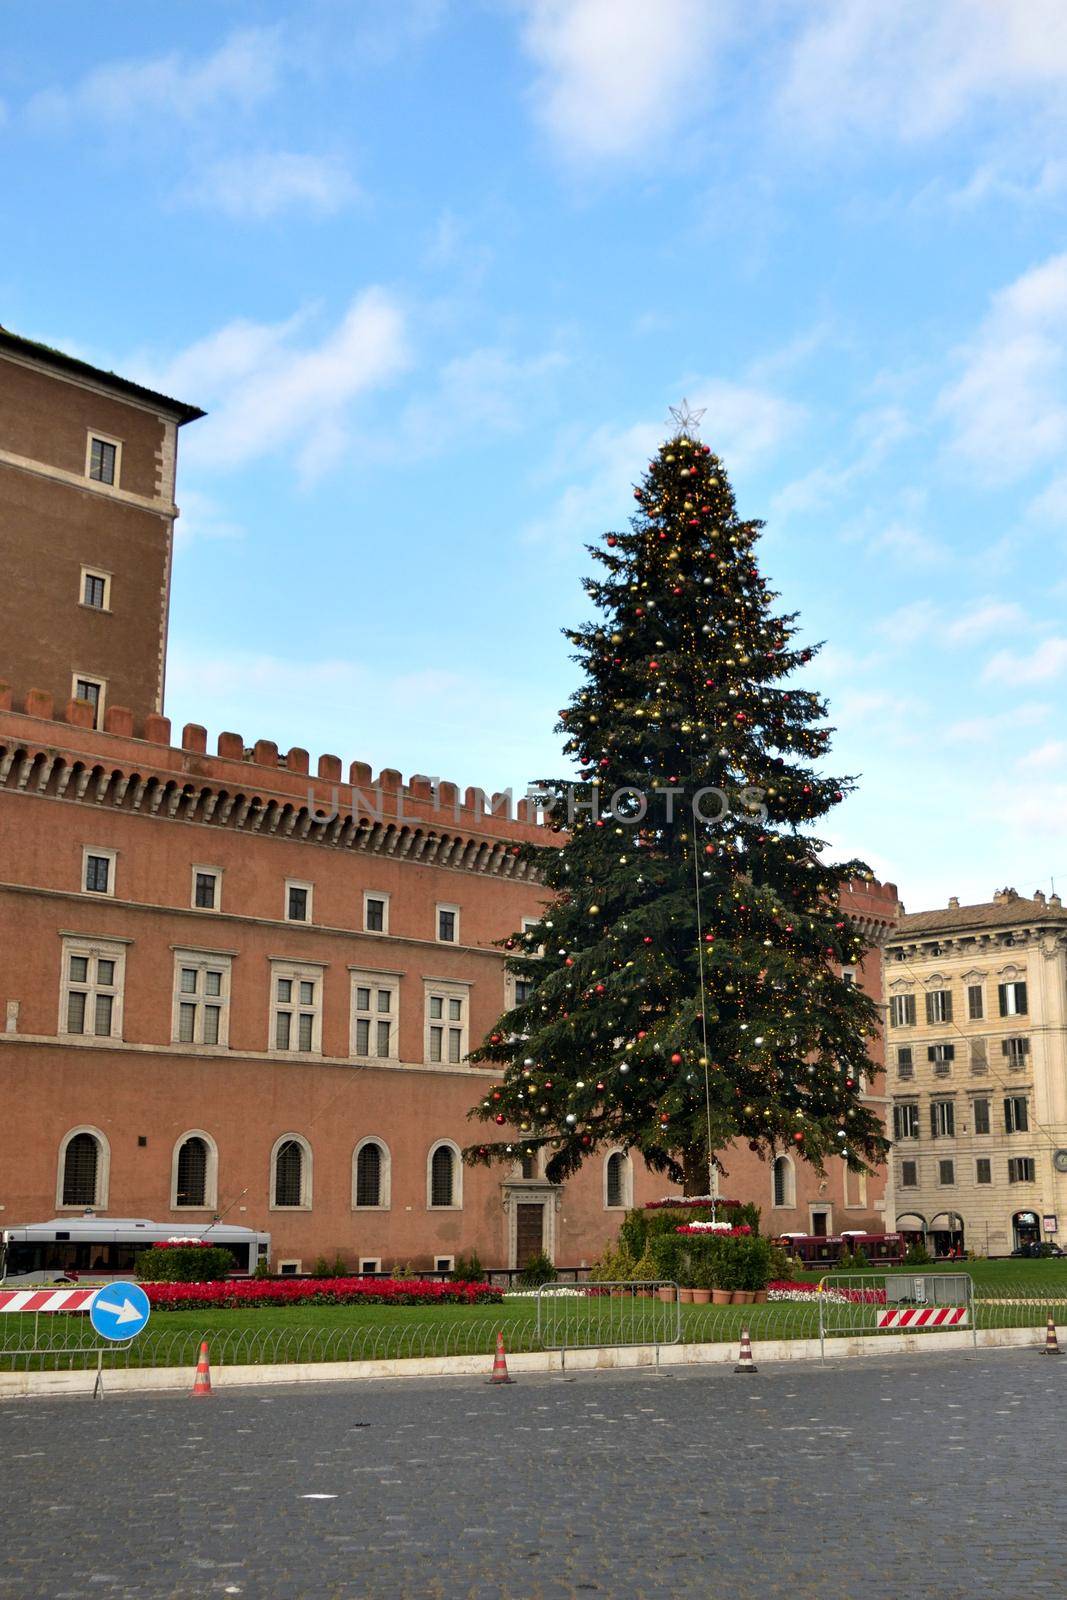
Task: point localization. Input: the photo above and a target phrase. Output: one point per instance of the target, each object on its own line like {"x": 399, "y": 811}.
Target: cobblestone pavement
{"x": 934, "y": 1475}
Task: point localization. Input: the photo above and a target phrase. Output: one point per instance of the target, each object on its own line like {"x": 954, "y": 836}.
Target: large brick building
{"x": 243, "y": 984}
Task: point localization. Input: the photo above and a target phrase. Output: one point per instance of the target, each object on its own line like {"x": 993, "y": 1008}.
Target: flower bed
{"x": 247, "y": 1293}
{"x": 725, "y": 1230}
{"x": 801, "y": 1292}
{"x": 691, "y": 1200}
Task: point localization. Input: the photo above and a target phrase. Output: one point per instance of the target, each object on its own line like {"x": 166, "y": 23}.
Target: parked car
{"x": 1034, "y": 1249}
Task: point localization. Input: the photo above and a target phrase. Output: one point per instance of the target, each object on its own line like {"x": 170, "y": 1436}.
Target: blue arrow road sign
{"x": 120, "y": 1311}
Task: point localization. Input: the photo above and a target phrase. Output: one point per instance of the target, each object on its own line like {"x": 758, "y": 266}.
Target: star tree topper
{"x": 687, "y": 419}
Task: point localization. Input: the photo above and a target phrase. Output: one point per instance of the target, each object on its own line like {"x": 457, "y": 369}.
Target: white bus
{"x": 100, "y": 1248}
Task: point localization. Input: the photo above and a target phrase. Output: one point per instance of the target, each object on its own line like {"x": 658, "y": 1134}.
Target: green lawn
{"x": 1016, "y": 1293}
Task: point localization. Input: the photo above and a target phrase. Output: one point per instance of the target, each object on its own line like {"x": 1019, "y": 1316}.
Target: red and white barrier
{"x": 927, "y": 1317}
{"x": 47, "y": 1299}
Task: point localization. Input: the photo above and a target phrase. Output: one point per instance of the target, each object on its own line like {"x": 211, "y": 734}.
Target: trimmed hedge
{"x": 185, "y": 1263}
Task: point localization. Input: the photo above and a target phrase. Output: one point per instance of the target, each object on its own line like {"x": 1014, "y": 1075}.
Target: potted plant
{"x": 703, "y": 1283}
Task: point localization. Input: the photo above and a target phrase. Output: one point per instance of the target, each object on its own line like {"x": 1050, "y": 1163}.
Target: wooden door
{"x": 529, "y": 1232}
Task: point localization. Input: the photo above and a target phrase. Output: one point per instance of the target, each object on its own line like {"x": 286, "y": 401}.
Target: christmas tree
{"x": 685, "y": 987}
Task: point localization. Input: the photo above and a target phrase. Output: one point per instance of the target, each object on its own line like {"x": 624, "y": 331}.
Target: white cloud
{"x": 265, "y": 182}
{"x": 910, "y": 546}
{"x": 1001, "y": 725}
{"x": 487, "y": 390}
{"x": 243, "y": 71}
{"x": 1008, "y": 408}
{"x": 203, "y": 518}
{"x": 614, "y": 76}
{"x": 1053, "y": 753}
{"x": 262, "y": 385}
{"x": 913, "y": 70}
{"x": 877, "y": 432}
{"x": 989, "y": 616}
{"x": 1045, "y": 662}
{"x": 910, "y": 623}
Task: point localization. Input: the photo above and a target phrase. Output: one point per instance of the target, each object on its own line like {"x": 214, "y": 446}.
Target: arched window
{"x": 617, "y": 1175}
{"x": 291, "y": 1173}
{"x": 84, "y": 1167}
{"x": 194, "y": 1171}
{"x": 783, "y": 1186}
{"x": 370, "y": 1175}
{"x": 444, "y": 1180}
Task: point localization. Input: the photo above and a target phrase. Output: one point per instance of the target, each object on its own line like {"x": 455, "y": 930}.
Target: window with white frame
{"x": 618, "y": 1181}
{"x": 905, "y": 1063}
{"x": 298, "y": 899}
{"x": 1012, "y": 999}
{"x": 91, "y": 991}
{"x": 289, "y": 1268}
{"x": 783, "y": 1182}
{"x": 531, "y": 930}
{"x": 296, "y": 1007}
{"x": 446, "y": 1022}
{"x": 98, "y": 870}
{"x": 95, "y": 589}
{"x": 941, "y": 1056}
{"x": 84, "y": 1169}
{"x": 1016, "y": 1114}
{"x": 939, "y": 1005}
{"x": 369, "y": 1266}
{"x": 103, "y": 459}
{"x": 375, "y": 911}
{"x": 201, "y": 998}
{"x": 1016, "y": 1051}
{"x": 371, "y": 1168}
{"x": 290, "y": 1174}
{"x": 444, "y": 1177}
{"x": 444, "y": 1263}
{"x": 207, "y": 889}
{"x": 375, "y": 1015}
{"x": 902, "y": 1011}
{"x": 91, "y": 690}
{"x": 906, "y": 1121}
{"x": 195, "y": 1172}
{"x": 448, "y": 924}
{"x": 942, "y": 1119}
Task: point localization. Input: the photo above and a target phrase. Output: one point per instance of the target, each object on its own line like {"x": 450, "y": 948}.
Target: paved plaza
{"x": 904, "y": 1477}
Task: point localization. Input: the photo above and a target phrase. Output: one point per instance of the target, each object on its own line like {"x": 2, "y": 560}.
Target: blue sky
{"x": 437, "y": 270}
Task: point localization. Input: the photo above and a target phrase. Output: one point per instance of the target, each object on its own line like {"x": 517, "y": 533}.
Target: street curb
{"x": 16, "y": 1385}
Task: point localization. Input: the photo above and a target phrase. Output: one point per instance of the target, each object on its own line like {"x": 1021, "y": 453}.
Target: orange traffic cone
{"x": 1051, "y": 1344}
{"x": 745, "y": 1362}
{"x": 500, "y": 1364}
{"x": 202, "y": 1386}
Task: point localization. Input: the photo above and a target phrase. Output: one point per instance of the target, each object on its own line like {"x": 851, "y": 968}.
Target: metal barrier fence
{"x": 379, "y": 1333}
{"x": 592, "y": 1316}
{"x": 853, "y": 1303}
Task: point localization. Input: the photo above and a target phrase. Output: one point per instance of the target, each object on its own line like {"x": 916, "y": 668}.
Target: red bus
{"x": 825, "y": 1250}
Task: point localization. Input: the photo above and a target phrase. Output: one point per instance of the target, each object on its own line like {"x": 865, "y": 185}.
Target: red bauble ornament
{"x": 799, "y": 1137}
{"x": 568, "y": 962}
{"x": 612, "y": 540}
{"x": 494, "y": 1038}
{"x": 500, "y": 1118}
{"x": 648, "y": 938}
{"x": 709, "y": 938}
{"x": 676, "y": 1059}
{"x": 600, "y": 1088}
{"x": 653, "y": 666}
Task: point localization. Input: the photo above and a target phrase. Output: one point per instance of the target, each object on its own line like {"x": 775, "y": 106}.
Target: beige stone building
{"x": 976, "y": 1063}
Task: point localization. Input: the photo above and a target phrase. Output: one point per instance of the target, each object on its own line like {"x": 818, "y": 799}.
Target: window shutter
{"x": 931, "y": 1052}
{"x": 929, "y": 1008}
{"x": 946, "y": 1001}
{"x": 1020, "y": 998}
{"x": 950, "y": 1052}
{"x": 933, "y": 1122}
{"x": 1002, "y": 998}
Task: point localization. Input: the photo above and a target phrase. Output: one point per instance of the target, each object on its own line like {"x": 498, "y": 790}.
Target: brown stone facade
{"x": 57, "y": 522}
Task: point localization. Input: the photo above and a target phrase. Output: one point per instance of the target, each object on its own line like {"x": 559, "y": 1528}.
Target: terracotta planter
{"x": 759, "y": 1297}
{"x": 741, "y": 1297}
{"x": 686, "y": 1296}
{"x": 701, "y": 1297}
{"x": 643, "y": 1294}
{"x": 666, "y": 1295}
{"x": 720, "y": 1297}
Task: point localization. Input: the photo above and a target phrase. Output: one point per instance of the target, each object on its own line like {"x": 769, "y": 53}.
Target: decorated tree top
{"x": 690, "y": 982}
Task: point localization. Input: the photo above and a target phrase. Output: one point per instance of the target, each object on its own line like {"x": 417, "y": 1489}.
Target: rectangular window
{"x": 91, "y": 990}
{"x": 946, "y": 1172}
{"x": 522, "y": 989}
{"x": 297, "y": 901}
{"x": 1016, "y": 1051}
{"x": 99, "y": 871}
{"x": 979, "y": 1058}
{"x": 942, "y": 1119}
{"x": 939, "y": 1005}
{"x": 201, "y": 998}
{"x": 296, "y": 1008}
{"x": 446, "y": 1024}
{"x": 909, "y": 1174}
{"x": 1012, "y": 998}
{"x": 368, "y": 1265}
{"x": 96, "y": 589}
{"x": 1016, "y": 1114}
{"x": 91, "y": 690}
{"x": 1021, "y": 1169}
{"x": 905, "y": 1064}
{"x": 983, "y": 1170}
{"x": 905, "y": 1122}
{"x": 207, "y": 889}
{"x": 981, "y": 1116}
{"x": 376, "y": 913}
{"x": 942, "y": 1057}
{"x": 375, "y": 1020}
{"x": 975, "y": 1002}
{"x": 448, "y": 924}
{"x": 103, "y": 460}
{"x": 902, "y": 1011}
